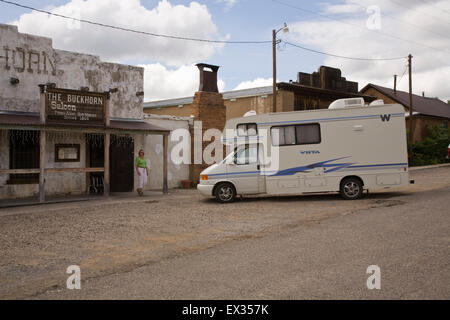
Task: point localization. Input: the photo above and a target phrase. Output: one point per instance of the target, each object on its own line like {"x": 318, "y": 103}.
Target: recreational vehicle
{"x": 348, "y": 148}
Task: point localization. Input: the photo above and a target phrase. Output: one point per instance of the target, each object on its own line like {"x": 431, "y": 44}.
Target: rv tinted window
{"x": 289, "y": 135}
{"x": 242, "y": 130}
{"x": 247, "y": 129}
{"x": 308, "y": 133}
{"x": 251, "y": 129}
{"x": 282, "y": 136}
{"x": 277, "y": 134}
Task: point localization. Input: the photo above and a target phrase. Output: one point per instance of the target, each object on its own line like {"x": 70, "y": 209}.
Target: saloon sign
{"x": 81, "y": 107}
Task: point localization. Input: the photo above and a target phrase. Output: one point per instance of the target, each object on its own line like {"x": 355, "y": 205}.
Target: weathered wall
{"x": 56, "y": 183}
{"x": 153, "y": 147}
{"x": 236, "y": 107}
{"x": 33, "y": 61}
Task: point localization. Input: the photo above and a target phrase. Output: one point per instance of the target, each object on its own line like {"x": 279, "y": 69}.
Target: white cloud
{"x": 427, "y": 37}
{"x": 228, "y": 3}
{"x": 193, "y": 20}
{"x": 162, "y": 83}
{"x": 258, "y": 82}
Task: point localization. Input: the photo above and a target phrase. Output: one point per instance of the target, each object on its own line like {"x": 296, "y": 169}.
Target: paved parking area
{"x": 118, "y": 236}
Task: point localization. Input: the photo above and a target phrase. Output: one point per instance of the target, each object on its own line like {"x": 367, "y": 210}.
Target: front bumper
{"x": 205, "y": 189}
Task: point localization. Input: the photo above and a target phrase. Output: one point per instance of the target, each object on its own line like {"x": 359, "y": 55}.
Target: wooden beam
{"x": 42, "y": 108}
{"x": 74, "y": 170}
{"x": 165, "y": 163}
{"x": 19, "y": 171}
{"x": 42, "y": 144}
{"x": 106, "y": 180}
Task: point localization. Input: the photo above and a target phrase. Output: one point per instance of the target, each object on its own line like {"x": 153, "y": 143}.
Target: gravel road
{"x": 107, "y": 238}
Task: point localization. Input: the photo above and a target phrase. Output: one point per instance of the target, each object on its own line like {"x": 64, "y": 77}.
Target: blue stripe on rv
{"x": 292, "y": 171}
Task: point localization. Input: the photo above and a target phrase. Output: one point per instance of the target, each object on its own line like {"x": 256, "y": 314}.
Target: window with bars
{"x": 23, "y": 154}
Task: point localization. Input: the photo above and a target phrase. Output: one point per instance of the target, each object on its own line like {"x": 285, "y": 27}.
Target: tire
{"x": 351, "y": 188}
{"x": 225, "y": 192}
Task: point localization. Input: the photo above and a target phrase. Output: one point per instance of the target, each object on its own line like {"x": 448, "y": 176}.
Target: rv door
{"x": 244, "y": 170}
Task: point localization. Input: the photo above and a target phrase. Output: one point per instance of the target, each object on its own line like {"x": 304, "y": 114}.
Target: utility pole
{"x": 274, "y": 54}
{"x": 411, "y": 126}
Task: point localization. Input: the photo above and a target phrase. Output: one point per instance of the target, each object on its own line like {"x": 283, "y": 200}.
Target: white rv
{"x": 347, "y": 148}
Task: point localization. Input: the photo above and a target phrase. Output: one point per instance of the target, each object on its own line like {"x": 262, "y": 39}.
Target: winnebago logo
{"x": 385, "y": 117}
{"x": 310, "y": 152}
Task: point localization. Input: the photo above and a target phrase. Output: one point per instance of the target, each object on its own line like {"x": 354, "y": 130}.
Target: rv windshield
{"x": 230, "y": 155}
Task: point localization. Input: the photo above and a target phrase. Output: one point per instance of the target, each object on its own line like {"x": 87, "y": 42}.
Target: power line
{"x": 404, "y": 72}
{"x": 133, "y": 30}
{"x": 356, "y": 25}
{"x": 343, "y": 57}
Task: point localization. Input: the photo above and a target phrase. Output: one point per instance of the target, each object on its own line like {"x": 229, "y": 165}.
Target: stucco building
{"x": 59, "y": 111}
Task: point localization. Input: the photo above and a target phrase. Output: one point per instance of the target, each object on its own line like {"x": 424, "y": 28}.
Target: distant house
{"x": 427, "y": 111}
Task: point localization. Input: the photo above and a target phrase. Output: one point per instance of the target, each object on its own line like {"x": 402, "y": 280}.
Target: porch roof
{"x": 31, "y": 121}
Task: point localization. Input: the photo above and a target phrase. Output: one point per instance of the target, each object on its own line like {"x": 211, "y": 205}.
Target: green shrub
{"x": 433, "y": 149}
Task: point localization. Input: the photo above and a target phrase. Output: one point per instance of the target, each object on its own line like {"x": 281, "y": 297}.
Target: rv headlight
{"x": 204, "y": 177}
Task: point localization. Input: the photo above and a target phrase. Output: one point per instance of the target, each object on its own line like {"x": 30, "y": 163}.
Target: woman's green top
{"x": 141, "y": 162}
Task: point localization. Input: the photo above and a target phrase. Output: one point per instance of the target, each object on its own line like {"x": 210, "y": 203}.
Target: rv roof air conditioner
{"x": 378, "y": 102}
{"x": 250, "y": 113}
{"x": 347, "y": 103}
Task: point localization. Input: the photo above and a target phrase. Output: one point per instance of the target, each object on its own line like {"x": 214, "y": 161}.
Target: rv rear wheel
{"x": 225, "y": 192}
{"x": 351, "y": 188}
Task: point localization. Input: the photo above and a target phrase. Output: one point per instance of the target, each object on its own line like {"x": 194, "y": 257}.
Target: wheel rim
{"x": 225, "y": 193}
{"x": 351, "y": 189}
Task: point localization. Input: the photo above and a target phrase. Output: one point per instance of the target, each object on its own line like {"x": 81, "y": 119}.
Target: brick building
{"x": 311, "y": 91}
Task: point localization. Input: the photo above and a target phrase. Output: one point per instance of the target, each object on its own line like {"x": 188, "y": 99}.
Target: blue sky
{"x": 339, "y": 27}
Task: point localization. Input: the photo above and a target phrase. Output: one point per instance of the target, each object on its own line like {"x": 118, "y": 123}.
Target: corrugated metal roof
{"x": 252, "y": 92}
{"x": 423, "y": 105}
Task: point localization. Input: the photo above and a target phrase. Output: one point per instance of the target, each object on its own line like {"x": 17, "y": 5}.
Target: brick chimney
{"x": 208, "y": 107}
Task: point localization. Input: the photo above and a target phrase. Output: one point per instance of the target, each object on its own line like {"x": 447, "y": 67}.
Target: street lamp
{"x": 274, "y": 49}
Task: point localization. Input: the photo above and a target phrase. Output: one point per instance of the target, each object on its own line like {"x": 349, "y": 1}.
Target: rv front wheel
{"x": 225, "y": 192}
{"x": 351, "y": 188}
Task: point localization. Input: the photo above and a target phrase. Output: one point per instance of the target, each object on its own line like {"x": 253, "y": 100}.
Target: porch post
{"x": 106, "y": 180}
{"x": 42, "y": 143}
{"x": 165, "y": 151}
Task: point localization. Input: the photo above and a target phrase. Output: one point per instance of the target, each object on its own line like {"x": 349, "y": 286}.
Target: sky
{"x": 357, "y": 29}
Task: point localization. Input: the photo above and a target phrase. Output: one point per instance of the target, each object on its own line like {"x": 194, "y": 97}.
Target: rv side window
{"x": 247, "y": 129}
{"x": 283, "y": 136}
{"x": 308, "y": 133}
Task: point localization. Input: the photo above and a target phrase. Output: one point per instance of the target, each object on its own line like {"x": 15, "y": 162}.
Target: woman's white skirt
{"x": 142, "y": 178}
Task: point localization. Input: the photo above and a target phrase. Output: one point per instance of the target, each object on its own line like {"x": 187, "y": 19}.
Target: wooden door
{"x": 121, "y": 164}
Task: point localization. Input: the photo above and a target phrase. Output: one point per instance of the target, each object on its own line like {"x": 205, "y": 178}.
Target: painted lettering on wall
{"x": 20, "y": 59}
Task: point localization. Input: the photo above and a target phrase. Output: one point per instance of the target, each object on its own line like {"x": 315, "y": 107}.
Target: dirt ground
{"x": 103, "y": 237}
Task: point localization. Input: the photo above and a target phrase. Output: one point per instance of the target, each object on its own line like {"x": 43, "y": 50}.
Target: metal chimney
{"x": 208, "y": 77}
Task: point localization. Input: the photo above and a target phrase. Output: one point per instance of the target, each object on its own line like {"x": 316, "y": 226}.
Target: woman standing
{"x": 142, "y": 171}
